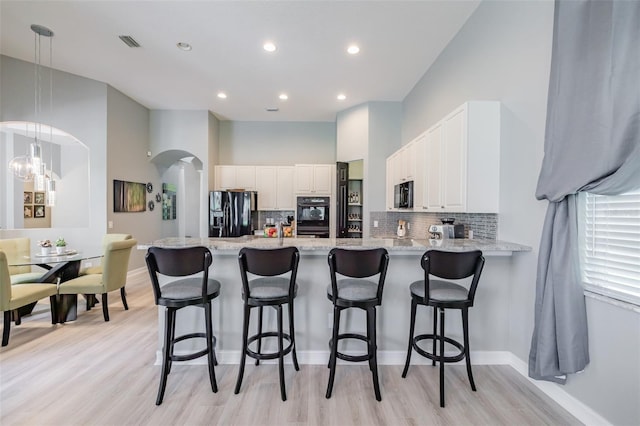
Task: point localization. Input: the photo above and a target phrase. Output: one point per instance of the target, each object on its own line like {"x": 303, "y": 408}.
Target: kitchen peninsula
{"x": 488, "y": 322}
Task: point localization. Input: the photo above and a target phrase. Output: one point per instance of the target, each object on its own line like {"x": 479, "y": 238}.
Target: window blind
{"x": 611, "y": 246}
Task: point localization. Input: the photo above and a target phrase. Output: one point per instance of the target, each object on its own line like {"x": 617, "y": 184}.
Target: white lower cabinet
{"x": 462, "y": 160}
{"x": 275, "y": 187}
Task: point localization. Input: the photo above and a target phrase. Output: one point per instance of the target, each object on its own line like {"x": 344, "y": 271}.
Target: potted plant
{"x": 45, "y": 246}
{"x": 61, "y": 245}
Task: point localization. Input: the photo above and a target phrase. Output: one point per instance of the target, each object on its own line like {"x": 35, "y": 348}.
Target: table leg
{"x": 67, "y": 307}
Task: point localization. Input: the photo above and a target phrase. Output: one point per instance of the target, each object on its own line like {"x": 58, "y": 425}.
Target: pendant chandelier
{"x": 31, "y": 167}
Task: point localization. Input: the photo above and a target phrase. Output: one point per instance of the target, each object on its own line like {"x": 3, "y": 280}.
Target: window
{"x": 610, "y": 250}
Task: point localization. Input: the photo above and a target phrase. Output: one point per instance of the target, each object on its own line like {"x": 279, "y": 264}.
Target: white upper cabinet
{"x": 285, "y": 199}
{"x": 462, "y": 160}
{"x": 432, "y": 191}
{"x": 390, "y": 182}
{"x": 235, "y": 177}
{"x": 275, "y": 187}
{"x": 314, "y": 178}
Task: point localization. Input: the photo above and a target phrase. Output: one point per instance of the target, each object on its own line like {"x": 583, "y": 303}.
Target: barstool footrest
{"x": 351, "y": 358}
{"x": 434, "y": 357}
{"x": 194, "y": 355}
{"x": 269, "y": 355}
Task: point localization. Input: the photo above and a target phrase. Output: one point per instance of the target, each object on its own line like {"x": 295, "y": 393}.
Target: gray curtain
{"x": 592, "y": 143}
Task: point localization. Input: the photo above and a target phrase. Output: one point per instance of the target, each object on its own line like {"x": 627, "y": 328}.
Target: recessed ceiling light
{"x": 222, "y": 95}
{"x": 353, "y": 49}
{"x": 269, "y": 46}
{"x": 342, "y": 97}
{"x": 283, "y": 97}
{"x": 184, "y": 46}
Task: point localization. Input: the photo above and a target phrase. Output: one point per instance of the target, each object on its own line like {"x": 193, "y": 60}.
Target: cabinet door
{"x": 266, "y": 185}
{"x": 285, "y": 199}
{"x": 432, "y": 196}
{"x": 454, "y": 155}
{"x": 304, "y": 178}
{"x": 408, "y": 161}
{"x": 246, "y": 177}
{"x": 398, "y": 168}
{"x": 225, "y": 177}
{"x": 390, "y": 182}
{"x": 322, "y": 178}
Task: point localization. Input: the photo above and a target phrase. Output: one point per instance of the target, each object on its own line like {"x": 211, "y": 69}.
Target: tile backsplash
{"x": 483, "y": 225}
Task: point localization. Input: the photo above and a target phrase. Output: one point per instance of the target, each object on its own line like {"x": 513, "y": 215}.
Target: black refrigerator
{"x": 342, "y": 187}
{"x": 232, "y": 213}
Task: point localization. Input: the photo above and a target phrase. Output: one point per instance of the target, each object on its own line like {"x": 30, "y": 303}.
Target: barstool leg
{"x": 465, "y": 330}
{"x": 209, "y": 336}
{"x": 334, "y": 350}
{"x": 245, "y": 338}
{"x": 441, "y": 357}
{"x": 172, "y": 337}
{"x": 435, "y": 333}
{"x": 283, "y": 392}
{"x": 293, "y": 337}
{"x": 165, "y": 357}
{"x": 373, "y": 349}
{"x": 259, "y": 332}
{"x": 412, "y": 326}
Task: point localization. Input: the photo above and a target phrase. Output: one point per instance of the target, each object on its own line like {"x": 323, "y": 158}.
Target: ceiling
{"x": 398, "y": 42}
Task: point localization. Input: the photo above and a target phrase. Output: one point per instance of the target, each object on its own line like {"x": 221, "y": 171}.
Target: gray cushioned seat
{"x": 188, "y": 288}
{"x": 269, "y": 287}
{"x": 355, "y": 289}
{"x": 440, "y": 290}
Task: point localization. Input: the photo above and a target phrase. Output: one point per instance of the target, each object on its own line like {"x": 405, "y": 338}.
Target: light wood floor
{"x": 89, "y": 372}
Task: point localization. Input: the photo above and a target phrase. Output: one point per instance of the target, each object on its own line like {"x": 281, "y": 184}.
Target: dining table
{"x": 59, "y": 267}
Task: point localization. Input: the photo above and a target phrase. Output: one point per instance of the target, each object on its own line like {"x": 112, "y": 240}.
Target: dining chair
{"x": 106, "y": 239}
{"x": 17, "y": 249}
{"x": 442, "y": 294}
{"x": 113, "y": 277}
{"x": 14, "y": 296}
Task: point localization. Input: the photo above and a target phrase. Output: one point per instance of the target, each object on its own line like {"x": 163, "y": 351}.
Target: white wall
{"x": 503, "y": 53}
{"x": 277, "y": 143}
{"x": 80, "y": 109}
{"x": 352, "y": 133}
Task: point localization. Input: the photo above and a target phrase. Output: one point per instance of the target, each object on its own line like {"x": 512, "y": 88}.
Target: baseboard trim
{"x": 554, "y": 391}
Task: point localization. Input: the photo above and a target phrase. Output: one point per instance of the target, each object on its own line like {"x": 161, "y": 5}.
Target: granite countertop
{"x": 399, "y": 245}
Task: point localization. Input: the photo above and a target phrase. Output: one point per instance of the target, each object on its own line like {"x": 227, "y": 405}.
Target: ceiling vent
{"x": 272, "y": 109}
{"x": 129, "y": 41}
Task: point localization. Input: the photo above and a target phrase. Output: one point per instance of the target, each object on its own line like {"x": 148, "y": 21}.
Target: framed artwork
{"x": 38, "y": 198}
{"x": 38, "y": 211}
{"x": 28, "y": 197}
{"x": 168, "y": 201}
{"x": 129, "y": 196}
{"x": 28, "y": 212}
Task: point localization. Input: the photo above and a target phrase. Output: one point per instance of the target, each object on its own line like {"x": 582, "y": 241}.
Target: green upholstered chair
{"x": 16, "y": 296}
{"x": 113, "y": 276}
{"x": 108, "y": 238}
{"x": 15, "y": 249}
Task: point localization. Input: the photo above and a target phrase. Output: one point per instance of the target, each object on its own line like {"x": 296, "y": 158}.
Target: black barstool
{"x": 189, "y": 291}
{"x": 356, "y": 292}
{"x": 443, "y": 295}
{"x": 269, "y": 289}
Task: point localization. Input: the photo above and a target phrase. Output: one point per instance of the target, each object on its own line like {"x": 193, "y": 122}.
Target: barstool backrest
{"x": 358, "y": 264}
{"x": 178, "y": 262}
{"x": 453, "y": 266}
{"x": 268, "y": 263}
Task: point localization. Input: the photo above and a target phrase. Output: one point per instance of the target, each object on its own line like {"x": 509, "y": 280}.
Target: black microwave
{"x": 403, "y": 195}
